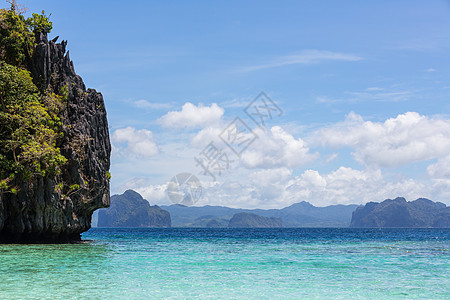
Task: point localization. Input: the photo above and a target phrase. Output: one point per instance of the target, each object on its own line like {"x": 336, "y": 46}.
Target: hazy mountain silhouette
{"x": 401, "y": 213}
{"x": 301, "y": 214}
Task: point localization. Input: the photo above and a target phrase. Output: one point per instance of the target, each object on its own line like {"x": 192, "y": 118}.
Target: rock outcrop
{"x": 250, "y": 220}
{"x": 59, "y": 209}
{"x": 131, "y": 210}
{"x": 401, "y": 213}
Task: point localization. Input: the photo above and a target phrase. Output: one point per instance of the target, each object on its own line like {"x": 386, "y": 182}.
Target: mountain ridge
{"x": 301, "y": 214}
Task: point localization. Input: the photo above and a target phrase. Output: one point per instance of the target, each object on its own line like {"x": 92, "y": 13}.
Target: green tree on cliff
{"x": 29, "y": 122}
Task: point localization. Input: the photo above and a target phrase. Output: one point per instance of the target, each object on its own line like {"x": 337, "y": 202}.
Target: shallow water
{"x": 182, "y": 263}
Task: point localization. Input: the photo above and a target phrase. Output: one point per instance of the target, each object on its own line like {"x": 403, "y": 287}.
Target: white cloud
{"x": 269, "y": 186}
{"x": 281, "y": 187}
{"x": 276, "y": 148}
{"x": 278, "y": 188}
{"x": 374, "y": 88}
{"x": 331, "y": 157}
{"x": 207, "y": 135}
{"x": 380, "y": 96}
{"x": 151, "y": 105}
{"x": 155, "y": 193}
{"x": 326, "y": 100}
{"x": 304, "y": 57}
{"x": 349, "y": 186}
{"x": 136, "y": 142}
{"x": 192, "y": 116}
{"x": 240, "y": 102}
{"x": 440, "y": 169}
{"x": 370, "y": 94}
{"x": 408, "y": 138}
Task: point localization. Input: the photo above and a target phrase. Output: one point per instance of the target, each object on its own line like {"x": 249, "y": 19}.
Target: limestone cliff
{"x": 401, "y": 213}
{"x": 59, "y": 208}
{"x": 131, "y": 210}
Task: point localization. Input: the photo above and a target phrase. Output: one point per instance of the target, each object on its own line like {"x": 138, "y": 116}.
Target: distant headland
{"x": 401, "y": 213}
{"x": 389, "y": 213}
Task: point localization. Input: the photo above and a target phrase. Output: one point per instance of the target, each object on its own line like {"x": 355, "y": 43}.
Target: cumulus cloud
{"x": 207, "y": 135}
{"x": 280, "y": 187}
{"x": 154, "y": 193}
{"x": 346, "y": 186}
{"x": 407, "y": 138}
{"x": 276, "y": 148}
{"x": 440, "y": 169}
{"x": 135, "y": 142}
{"x": 192, "y": 116}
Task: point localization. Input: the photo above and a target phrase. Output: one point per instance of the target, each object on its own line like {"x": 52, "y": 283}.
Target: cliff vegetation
{"x": 54, "y": 140}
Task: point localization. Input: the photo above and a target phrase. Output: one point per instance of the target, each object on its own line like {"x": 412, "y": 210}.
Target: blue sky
{"x": 364, "y": 88}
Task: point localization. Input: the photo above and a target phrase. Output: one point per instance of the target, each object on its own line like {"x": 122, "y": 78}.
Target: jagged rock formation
{"x": 59, "y": 209}
{"x": 401, "y": 213}
{"x": 131, "y": 210}
{"x": 250, "y": 220}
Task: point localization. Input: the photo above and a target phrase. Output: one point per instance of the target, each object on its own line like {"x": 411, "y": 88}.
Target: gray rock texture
{"x": 51, "y": 209}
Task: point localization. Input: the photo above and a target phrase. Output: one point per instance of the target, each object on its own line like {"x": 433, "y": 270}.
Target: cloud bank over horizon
{"x": 353, "y": 161}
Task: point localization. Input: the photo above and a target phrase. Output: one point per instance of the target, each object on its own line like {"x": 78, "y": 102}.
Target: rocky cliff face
{"x": 250, "y": 220}
{"x": 401, "y": 213}
{"x": 131, "y": 210}
{"x": 59, "y": 209}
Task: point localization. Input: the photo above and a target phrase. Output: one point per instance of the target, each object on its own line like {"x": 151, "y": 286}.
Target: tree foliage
{"x": 17, "y": 34}
{"x": 30, "y": 126}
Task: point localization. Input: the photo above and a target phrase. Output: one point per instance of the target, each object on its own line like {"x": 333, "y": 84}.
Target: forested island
{"x": 130, "y": 209}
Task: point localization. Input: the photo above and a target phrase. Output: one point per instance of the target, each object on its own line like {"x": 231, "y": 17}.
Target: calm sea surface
{"x": 233, "y": 263}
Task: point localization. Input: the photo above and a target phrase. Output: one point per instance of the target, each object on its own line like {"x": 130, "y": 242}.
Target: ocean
{"x": 186, "y": 263}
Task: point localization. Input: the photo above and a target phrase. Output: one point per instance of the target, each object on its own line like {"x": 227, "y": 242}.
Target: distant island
{"x": 131, "y": 210}
{"x": 302, "y": 214}
{"x": 401, "y": 213}
{"x": 250, "y": 220}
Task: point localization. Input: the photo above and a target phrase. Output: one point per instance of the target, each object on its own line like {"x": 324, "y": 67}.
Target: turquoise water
{"x": 233, "y": 263}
